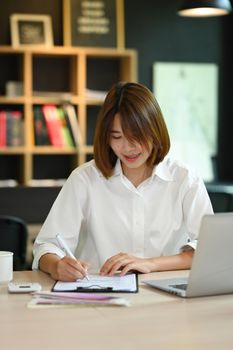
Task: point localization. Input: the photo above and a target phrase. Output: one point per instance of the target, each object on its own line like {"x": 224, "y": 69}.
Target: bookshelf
{"x": 50, "y": 76}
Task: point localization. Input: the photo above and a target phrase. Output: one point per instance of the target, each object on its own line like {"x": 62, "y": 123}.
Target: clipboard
{"x": 100, "y": 284}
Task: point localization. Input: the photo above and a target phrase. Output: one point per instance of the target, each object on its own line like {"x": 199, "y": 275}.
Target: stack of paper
{"x": 54, "y": 299}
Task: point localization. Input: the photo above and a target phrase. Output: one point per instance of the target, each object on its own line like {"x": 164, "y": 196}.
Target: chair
{"x": 221, "y": 201}
{"x": 13, "y": 237}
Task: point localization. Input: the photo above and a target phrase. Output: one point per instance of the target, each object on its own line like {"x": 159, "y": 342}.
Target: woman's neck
{"x": 138, "y": 175}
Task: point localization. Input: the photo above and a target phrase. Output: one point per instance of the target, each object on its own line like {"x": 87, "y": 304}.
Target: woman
{"x": 130, "y": 208}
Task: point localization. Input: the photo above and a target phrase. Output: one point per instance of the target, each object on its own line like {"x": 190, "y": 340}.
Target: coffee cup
{"x": 6, "y": 267}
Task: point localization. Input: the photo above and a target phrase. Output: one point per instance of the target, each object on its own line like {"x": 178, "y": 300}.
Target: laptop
{"x": 211, "y": 272}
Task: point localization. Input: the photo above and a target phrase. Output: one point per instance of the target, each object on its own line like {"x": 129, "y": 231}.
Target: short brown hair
{"x": 141, "y": 120}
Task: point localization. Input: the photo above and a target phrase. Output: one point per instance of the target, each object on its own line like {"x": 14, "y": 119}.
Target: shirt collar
{"x": 161, "y": 170}
{"x": 117, "y": 169}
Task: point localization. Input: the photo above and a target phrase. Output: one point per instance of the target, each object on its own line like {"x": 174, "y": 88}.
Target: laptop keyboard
{"x": 182, "y": 286}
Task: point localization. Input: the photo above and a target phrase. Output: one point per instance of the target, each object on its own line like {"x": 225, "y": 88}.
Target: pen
{"x": 64, "y": 246}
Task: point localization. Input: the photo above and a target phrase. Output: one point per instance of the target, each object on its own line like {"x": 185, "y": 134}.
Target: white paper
{"x": 127, "y": 283}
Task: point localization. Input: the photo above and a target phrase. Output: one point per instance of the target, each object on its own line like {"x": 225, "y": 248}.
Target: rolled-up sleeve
{"x": 41, "y": 248}
{"x": 196, "y": 204}
{"x": 190, "y": 245}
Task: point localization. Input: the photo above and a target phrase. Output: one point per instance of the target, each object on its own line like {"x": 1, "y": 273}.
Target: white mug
{"x": 6, "y": 267}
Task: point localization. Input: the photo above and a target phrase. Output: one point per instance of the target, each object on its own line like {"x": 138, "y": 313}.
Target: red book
{"x": 3, "y": 129}
{"x": 53, "y": 125}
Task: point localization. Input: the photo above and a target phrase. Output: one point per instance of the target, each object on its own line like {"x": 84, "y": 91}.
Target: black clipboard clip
{"x": 93, "y": 288}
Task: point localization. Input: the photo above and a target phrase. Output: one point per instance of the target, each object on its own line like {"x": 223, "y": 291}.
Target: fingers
{"x": 125, "y": 263}
{"x": 86, "y": 266}
{"x": 105, "y": 269}
{"x": 115, "y": 263}
{"x": 135, "y": 266}
{"x": 69, "y": 269}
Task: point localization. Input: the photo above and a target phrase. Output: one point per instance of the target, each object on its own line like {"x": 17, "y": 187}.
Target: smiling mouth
{"x": 132, "y": 157}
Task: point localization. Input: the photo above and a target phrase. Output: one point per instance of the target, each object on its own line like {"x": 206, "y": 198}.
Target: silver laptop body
{"x": 212, "y": 267}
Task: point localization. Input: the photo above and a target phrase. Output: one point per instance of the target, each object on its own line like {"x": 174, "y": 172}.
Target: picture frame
{"x": 31, "y": 30}
{"x": 96, "y": 23}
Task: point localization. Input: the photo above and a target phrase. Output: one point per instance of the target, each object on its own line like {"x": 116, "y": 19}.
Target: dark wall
{"x": 159, "y": 34}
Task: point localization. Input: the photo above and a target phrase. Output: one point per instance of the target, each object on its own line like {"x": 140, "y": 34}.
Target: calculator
{"x": 23, "y": 287}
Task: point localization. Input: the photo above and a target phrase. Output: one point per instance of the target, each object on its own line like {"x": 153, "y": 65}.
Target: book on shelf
{"x": 53, "y": 125}
{"x": 40, "y": 130}
{"x": 56, "y": 125}
{"x": 16, "y": 130}
{"x": 11, "y": 128}
{"x": 72, "y": 121}
{"x": 65, "y": 130}
{"x": 3, "y": 141}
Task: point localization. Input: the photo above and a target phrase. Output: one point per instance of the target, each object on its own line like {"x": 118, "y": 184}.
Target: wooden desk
{"x": 155, "y": 320}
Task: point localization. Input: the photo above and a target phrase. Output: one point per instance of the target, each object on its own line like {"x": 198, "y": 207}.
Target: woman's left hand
{"x": 125, "y": 263}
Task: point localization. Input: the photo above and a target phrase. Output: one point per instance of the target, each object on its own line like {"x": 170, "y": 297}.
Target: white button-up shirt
{"x": 99, "y": 217}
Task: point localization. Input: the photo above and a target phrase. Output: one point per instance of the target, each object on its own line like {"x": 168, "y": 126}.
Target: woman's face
{"x": 132, "y": 154}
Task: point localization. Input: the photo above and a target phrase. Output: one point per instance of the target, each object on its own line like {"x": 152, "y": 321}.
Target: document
{"x": 46, "y": 299}
{"x": 96, "y": 283}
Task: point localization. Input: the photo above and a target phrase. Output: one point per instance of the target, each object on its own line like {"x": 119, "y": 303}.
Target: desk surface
{"x": 155, "y": 320}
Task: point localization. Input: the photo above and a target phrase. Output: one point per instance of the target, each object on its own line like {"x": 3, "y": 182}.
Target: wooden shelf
{"x": 67, "y": 72}
{"x": 12, "y": 100}
{"x": 53, "y": 150}
{"x": 13, "y": 150}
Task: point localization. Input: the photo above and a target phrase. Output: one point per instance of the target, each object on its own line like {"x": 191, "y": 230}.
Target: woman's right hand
{"x": 63, "y": 269}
